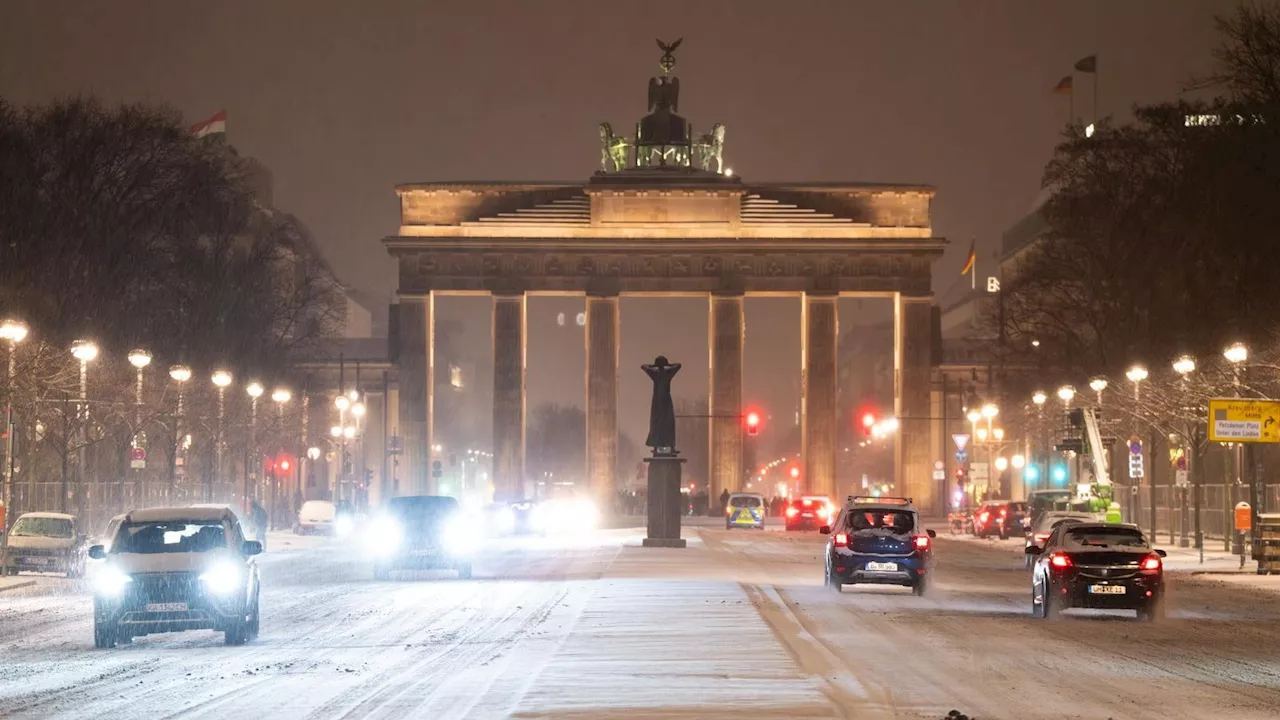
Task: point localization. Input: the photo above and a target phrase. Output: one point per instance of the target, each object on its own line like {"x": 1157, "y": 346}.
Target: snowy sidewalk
{"x": 15, "y": 582}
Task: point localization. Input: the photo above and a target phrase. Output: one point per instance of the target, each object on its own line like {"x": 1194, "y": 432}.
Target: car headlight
{"x": 458, "y": 538}
{"x": 223, "y": 578}
{"x": 110, "y": 581}
{"x": 586, "y": 514}
{"x": 342, "y": 526}
{"x": 385, "y": 536}
{"x": 538, "y": 518}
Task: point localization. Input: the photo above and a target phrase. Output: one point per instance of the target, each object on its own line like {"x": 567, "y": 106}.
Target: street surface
{"x": 737, "y": 625}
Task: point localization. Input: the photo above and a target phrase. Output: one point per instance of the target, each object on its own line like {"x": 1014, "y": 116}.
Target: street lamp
{"x": 221, "y": 380}
{"x": 358, "y": 410}
{"x": 989, "y": 411}
{"x": 342, "y": 402}
{"x": 86, "y": 352}
{"x": 336, "y": 431}
{"x": 1098, "y": 384}
{"x": 1184, "y": 366}
{"x": 281, "y": 395}
{"x": 1002, "y": 463}
{"x": 349, "y": 432}
{"x": 313, "y": 453}
{"x": 15, "y": 331}
{"x": 255, "y": 390}
{"x": 1236, "y": 353}
{"x": 1019, "y": 461}
{"x": 1066, "y": 393}
{"x": 998, "y": 434}
{"x": 1039, "y": 398}
{"x": 1136, "y": 375}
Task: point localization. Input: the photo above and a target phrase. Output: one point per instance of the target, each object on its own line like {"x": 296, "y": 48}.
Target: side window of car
{"x": 1054, "y": 537}
{"x": 235, "y": 538}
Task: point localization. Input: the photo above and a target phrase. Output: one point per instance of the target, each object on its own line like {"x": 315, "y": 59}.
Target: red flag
{"x": 214, "y": 125}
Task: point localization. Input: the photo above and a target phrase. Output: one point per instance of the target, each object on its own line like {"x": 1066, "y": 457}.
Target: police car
{"x": 744, "y": 510}
{"x": 878, "y": 540}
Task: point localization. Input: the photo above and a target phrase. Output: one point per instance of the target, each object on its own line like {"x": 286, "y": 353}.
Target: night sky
{"x": 344, "y": 100}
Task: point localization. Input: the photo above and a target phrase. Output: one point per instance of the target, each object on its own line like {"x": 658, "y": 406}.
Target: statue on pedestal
{"x": 613, "y": 149}
{"x": 662, "y": 413}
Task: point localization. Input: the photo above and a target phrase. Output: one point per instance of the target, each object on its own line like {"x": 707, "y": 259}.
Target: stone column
{"x": 417, "y": 391}
{"x": 913, "y": 336}
{"x": 820, "y": 328}
{"x": 508, "y": 396}
{"x": 602, "y": 398}
{"x": 726, "y": 397}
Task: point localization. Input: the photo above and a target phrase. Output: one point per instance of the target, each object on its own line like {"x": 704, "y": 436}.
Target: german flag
{"x": 1064, "y": 86}
{"x": 973, "y": 258}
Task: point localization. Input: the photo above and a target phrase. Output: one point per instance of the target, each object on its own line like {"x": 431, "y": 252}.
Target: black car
{"x": 878, "y": 541}
{"x": 422, "y": 532}
{"x": 522, "y": 517}
{"x": 171, "y": 569}
{"x": 1097, "y": 565}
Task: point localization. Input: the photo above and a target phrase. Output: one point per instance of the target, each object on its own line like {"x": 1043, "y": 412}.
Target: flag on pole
{"x": 1088, "y": 65}
{"x": 973, "y": 258}
{"x": 1064, "y": 86}
{"x": 214, "y": 125}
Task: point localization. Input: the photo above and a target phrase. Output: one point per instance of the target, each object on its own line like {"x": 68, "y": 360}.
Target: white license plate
{"x": 429, "y": 552}
{"x": 39, "y": 560}
{"x": 882, "y": 567}
{"x": 166, "y": 607}
{"x": 1107, "y": 589}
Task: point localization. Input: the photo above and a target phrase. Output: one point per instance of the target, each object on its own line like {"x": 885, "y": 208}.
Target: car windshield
{"x": 744, "y": 501}
{"x": 893, "y": 520}
{"x": 1106, "y": 537}
{"x": 42, "y": 527}
{"x": 423, "y": 510}
{"x": 170, "y": 536}
{"x": 1048, "y": 524}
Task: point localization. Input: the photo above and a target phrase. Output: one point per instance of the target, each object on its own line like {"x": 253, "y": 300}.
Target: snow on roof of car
{"x": 216, "y": 512}
{"x": 59, "y": 516}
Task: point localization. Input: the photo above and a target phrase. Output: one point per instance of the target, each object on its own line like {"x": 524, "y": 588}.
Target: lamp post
{"x": 1237, "y": 354}
{"x": 253, "y": 461}
{"x": 1039, "y": 398}
{"x": 1184, "y": 366}
{"x": 179, "y": 374}
{"x": 989, "y": 411}
{"x": 14, "y": 331}
{"x": 139, "y": 359}
{"x": 280, "y": 396}
{"x": 221, "y": 380}
{"x": 85, "y": 352}
{"x": 1098, "y": 384}
{"x": 343, "y": 403}
{"x": 1136, "y": 375}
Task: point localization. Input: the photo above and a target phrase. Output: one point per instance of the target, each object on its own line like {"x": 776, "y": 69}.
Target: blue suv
{"x": 878, "y": 540}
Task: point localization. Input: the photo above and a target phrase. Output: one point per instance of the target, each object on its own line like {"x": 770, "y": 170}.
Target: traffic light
{"x": 868, "y": 421}
{"x": 753, "y": 423}
{"x": 1032, "y": 473}
{"x": 1059, "y": 473}
{"x": 284, "y": 464}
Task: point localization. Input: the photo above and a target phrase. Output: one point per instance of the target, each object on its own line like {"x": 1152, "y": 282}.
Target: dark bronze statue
{"x": 662, "y": 413}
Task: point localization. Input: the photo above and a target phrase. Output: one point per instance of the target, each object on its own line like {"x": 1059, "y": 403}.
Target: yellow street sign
{"x": 1244, "y": 421}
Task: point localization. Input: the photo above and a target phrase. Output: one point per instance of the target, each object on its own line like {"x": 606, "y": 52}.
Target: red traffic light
{"x": 753, "y": 423}
{"x": 284, "y": 464}
{"x": 868, "y": 419}
{"x": 795, "y": 471}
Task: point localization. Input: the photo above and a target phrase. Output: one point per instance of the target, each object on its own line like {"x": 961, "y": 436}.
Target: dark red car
{"x": 1002, "y": 518}
{"x": 809, "y": 512}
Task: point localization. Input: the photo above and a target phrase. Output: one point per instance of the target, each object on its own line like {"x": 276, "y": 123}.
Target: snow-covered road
{"x": 738, "y": 624}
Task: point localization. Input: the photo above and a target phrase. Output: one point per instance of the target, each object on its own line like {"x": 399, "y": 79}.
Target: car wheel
{"x": 105, "y": 635}
{"x": 125, "y": 637}
{"x": 464, "y": 571}
{"x": 1037, "y": 608}
{"x": 1050, "y": 608}
{"x": 727, "y": 525}
{"x": 920, "y": 587}
{"x": 1152, "y": 612}
{"x": 381, "y": 572}
{"x": 255, "y": 623}
{"x": 1004, "y": 534}
{"x": 237, "y": 633}
{"x": 832, "y": 582}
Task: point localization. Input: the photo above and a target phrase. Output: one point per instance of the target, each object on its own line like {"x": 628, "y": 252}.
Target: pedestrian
{"x": 724, "y": 500}
{"x": 258, "y": 518}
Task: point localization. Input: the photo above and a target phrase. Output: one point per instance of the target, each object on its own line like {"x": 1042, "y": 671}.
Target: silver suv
{"x": 171, "y": 569}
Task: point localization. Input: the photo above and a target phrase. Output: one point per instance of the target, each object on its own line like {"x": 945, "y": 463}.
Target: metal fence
{"x": 1217, "y": 503}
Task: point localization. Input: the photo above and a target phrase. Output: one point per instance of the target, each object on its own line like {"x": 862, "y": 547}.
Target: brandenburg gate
{"x": 665, "y": 217}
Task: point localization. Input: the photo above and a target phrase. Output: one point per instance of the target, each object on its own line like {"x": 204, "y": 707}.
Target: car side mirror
{"x": 1033, "y": 550}
{"x": 1162, "y": 553}
{"x": 97, "y": 552}
{"x": 825, "y": 529}
{"x": 931, "y": 533}
{"x": 251, "y": 548}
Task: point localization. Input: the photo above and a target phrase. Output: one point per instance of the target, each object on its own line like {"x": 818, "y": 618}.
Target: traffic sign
{"x": 1136, "y": 466}
{"x": 962, "y": 456}
{"x": 436, "y": 472}
{"x": 1246, "y": 421}
{"x": 961, "y": 440}
{"x": 1181, "y": 478}
{"x": 138, "y": 458}
{"x": 1135, "y": 445}
{"x": 978, "y": 472}
{"x": 939, "y": 474}
{"x": 939, "y": 465}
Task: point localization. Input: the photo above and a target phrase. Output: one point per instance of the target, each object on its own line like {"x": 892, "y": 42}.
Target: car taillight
{"x": 728, "y": 511}
{"x": 1041, "y": 537}
{"x": 792, "y": 512}
{"x": 1151, "y": 562}
{"x": 922, "y": 542}
{"x": 1060, "y": 561}
{"x": 842, "y": 540}
{"x": 807, "y": 502}
{"x": 1003, "y": 512}
{"x": 984, "y": 516}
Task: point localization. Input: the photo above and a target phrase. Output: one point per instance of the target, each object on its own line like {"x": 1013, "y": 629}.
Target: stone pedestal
{"x": 913, "y": 336}
{"x": 820, "y": 328}
{"x": 417, "y": 384}
{"x": 665, "y": 503}
{"x": 726, "y": 397}
{"x": 602, "y": 398}
{"x": 508, "y": 396}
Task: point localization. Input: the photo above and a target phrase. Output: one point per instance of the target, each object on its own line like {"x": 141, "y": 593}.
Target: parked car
{"x": 45, "y": 542}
